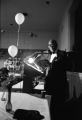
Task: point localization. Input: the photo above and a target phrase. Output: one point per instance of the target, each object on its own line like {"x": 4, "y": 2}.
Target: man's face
{"x": 51, "y": 47}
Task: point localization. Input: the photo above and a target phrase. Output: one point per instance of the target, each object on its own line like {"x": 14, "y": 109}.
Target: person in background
{"x": 56, "y": 83}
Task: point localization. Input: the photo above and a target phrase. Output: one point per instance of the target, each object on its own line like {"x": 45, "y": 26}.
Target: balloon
{"x": 19, "y": 18}
{"x": 12, "y": 50}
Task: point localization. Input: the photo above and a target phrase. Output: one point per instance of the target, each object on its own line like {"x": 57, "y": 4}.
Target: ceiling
{"x": 39, "y": 14}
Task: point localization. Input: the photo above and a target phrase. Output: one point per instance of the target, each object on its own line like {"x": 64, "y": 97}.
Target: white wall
{"x": 66, "y": 32}
{"x": 64, "y": 37}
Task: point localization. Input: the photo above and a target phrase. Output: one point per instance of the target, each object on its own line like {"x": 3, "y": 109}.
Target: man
{"x": 56, "y": 83}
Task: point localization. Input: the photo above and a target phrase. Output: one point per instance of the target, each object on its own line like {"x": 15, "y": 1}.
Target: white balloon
{"x": 12, "y": 50}
{"x": 19, "y": 18}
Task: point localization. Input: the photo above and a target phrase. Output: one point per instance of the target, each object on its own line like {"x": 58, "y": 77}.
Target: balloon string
{"x": 18, "y": 36}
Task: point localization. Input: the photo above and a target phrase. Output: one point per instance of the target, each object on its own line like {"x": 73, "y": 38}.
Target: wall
{"x": 26, "y": 41}
{"x": 78, "y": 28}
{"x": 64, "y": 42}
{"x": 66, "y": 32}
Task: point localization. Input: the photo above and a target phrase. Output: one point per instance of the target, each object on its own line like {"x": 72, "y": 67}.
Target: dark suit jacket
{"x": 56, "y": 81}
